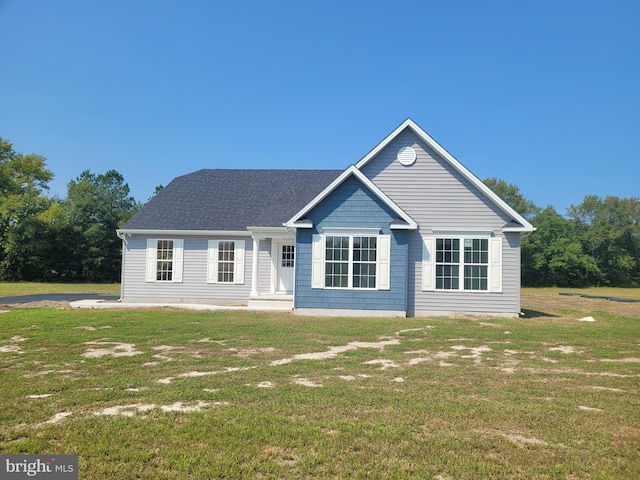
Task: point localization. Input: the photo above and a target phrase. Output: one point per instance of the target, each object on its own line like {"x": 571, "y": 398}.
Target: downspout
{"x": 122, "y": 236}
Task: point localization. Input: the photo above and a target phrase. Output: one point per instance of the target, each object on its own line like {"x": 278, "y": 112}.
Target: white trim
{"x": 302, "y": 224}
{"x": 344, "y": 231}
{"x": 367, "y": 183}
{"x": 182, "y": 233}
{"x": 475, "y": 181}
{"x": 264, "y": 233}
{"x": 517, "y": 230}
{"x": 398, "y": 226}
{"x": 383, "y": 259}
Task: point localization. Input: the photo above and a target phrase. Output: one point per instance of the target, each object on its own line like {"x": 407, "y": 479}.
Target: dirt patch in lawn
{"x": 41, "y": 304}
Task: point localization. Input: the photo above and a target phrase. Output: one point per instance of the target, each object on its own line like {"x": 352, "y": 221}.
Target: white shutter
{"x": 384, "y": 262}
{"x": 212, "y": 261}
{"x": 178, "y": 260}
{"x": 428, "y": 262}
{"x": 317, "y": 261}
{"x": 151, "y": 260}
{"x": 238, "y": 268}
{"x": 495, "y": 264}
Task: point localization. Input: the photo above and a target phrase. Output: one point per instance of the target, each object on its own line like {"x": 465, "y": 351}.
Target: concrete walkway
{"x": 102, "y": 304}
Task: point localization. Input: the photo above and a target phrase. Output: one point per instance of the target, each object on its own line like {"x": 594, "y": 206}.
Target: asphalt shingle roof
{"x": 213, "y": 199}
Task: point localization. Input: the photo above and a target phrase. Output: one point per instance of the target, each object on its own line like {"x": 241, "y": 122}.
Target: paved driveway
{"x": 55, "y": 297}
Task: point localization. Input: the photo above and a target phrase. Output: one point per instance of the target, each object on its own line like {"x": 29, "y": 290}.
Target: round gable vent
{"x": 406, "y": 156}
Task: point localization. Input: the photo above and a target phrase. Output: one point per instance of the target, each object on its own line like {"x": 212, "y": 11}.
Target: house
{"x": 406, "y": 231}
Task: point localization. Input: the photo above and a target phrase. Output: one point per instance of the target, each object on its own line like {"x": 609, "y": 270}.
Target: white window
{"x": 164, "y": 260}
{"x": 225, "y": 262}
{"x": 351, "y": 261}
{"x": 467, "y": 263}
{"x": 288, "y": 256}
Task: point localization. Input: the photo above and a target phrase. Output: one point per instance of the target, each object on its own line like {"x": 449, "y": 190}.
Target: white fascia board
{"x": 400, "y": 227}
{"x": 302, "y": 224}
{"x": 426, "y": 138}
{"x": 519, "y": 229}
{"x": 180, "y": 233}
{"x": 350, "y": 231}
{"x": 352, "y": 170}
{"x": 271, "y": 232}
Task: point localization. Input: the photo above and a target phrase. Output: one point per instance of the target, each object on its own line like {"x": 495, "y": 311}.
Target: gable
{"x": 436, "y": 190}
{"x": 352, "y": 204}
{"x": 402, "y": 220}
{"x": 437, "y": 182}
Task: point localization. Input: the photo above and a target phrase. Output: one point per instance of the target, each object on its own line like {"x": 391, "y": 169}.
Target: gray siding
{"x": 446, "y": 302}
{"x": 439, "y": 198}
{"x": 264, "y": 267}
{"x": 194, "y": 287}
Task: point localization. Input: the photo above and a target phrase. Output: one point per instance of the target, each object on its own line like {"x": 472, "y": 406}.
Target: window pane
{"x": 447, "y": 277}
{"x": 164, "y": 264}
{"x": 288, "y": 255}
{"x": 475, "y": 277}
{"x": 226, "y": 259}
{"x": 364, "y": 258}
{"x": 336, "y": 261}
{"x": 447, "y": 263}
{"x": 476, "y": 250}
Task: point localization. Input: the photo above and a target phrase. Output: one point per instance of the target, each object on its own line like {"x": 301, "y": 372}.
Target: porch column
{"x": 254, "y": 266}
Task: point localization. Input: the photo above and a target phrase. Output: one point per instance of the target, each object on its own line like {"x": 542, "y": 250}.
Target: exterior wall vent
{"x": 406, "y": 156}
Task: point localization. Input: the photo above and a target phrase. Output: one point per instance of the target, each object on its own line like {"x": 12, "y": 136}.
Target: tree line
{"x": 44, "y": 238}
{"x": 597, "y": 243}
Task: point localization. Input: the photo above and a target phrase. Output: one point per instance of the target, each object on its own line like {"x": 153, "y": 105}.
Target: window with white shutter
{"x": 164, "y": 260}
{"x": 225, "y": 261}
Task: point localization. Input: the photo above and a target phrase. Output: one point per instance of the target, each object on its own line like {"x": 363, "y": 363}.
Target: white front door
{"x": 286, "y": 266}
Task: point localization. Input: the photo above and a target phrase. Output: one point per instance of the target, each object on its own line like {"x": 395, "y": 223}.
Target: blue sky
{"x": 545, "y": 95}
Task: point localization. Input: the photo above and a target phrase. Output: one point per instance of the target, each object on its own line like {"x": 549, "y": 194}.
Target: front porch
{"x": 272, "y": 269}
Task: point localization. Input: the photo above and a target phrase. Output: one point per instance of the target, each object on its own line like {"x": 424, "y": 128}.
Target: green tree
{"x": 513, "y": 197}
{"x": 610, "y": 232}
{"x": 23, "y": 181}
{"x": 553, "y": 254}
{"x": 96, "y": 206}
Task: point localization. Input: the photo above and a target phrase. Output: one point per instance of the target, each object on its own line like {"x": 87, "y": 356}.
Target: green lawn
{"x": 199, "y": 395}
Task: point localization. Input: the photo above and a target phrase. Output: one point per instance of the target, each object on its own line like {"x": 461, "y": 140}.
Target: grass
{"x": 543, "y": 396}
{"x": 601, "y": 291}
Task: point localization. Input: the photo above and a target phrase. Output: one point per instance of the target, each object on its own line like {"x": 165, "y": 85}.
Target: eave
{"x": 141, "y": 231}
